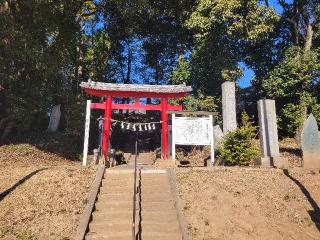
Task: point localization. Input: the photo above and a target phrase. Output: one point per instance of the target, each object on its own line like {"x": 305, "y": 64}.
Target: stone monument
{"x": 229, "y": 113}
{"x": 54, "y": 118}
{"x": 217, "y": 135}
{"x": 310, "y": 143}
{"x": 269, "y": 135}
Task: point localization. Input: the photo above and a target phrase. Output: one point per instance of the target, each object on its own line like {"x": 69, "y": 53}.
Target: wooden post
{"x": 86, "y": 133}
{"x": 164, "y": 107}
{"x": 173, "y": 149}
{"x": 106, "y": 127}
{"x": 212, "y": 141}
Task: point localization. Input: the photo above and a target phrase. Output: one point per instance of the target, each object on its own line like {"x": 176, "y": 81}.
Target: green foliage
{"x": 196, "y": 101}
{"x": 181, "y": 74}
{"x": 292, "y": 116}
{"x": 49, "y": 47}
{"x": 199, "y": 103}
{"x": 37, "y": 57}
{"x": 294, "y": 84}
{"x": 238, "y": 147}
{"x": 222, "y": 32}
{"x": 248, "y": 19}
{"x": 289, "y": 119}
{"x": 297, "y": 74}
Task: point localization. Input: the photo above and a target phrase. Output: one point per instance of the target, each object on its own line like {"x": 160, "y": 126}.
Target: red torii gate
{"x": 136, "y": 91}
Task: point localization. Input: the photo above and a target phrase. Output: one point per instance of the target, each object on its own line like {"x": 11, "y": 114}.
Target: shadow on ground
{"x": 315, "y": 213}
{"x": 18, "y": 183}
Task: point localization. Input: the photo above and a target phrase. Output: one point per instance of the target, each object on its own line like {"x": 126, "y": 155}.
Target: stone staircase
{"x": 156, "y": 215}
{"x": 147, "y": 158}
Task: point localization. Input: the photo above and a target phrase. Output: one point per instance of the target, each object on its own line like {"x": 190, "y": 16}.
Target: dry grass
{"x": 195, "y": 157}
{"x": 252, "y": 203}
{"x": 289, "y": 149}
{"x": 48, "y": 204}
{"x": 245, "y": 203}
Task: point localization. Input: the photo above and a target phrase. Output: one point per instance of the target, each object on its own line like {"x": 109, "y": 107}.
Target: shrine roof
{"x": 134, "y": 90}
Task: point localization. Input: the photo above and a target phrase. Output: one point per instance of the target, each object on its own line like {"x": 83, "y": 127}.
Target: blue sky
{"x": 245, "y": 81}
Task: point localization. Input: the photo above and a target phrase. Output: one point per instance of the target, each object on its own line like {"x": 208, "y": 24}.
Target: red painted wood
{"x": 174, "y": 108}
{"x": 106, "y": 127}
{"x": 108, "y": 106}
{"x": 98, "y": 106}
{"x": 128, "y": 94}
{"x": 135, "y": 107}
{"x": 164, "y": 116}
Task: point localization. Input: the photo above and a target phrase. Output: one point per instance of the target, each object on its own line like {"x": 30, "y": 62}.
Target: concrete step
{"x": 121, "y": 175}
{"x": 119, "y": 215}
{"x": 143, "y": 193}
{"x": 130, "y": 208}
{"x": 156, "y": 220}
{"x": 130, "y": 183}
{"x": 127, "y": 236}
{"x": 144, "y": 188}
{"x": 145, "y": 178}
{"x": 170, "y": 220}
{"x": 106, "y": 199}
{"x": 147, "y": 205}
{"x": 144, "y": 202}
{"x": 128, "y": 196}
{"x": 157, "y": 186}
{"x": 157, "y": 227}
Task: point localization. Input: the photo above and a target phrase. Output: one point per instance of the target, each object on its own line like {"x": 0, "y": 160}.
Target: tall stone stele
{"x": 269, "y": 135}
{"x": 54, "y": 118}
{"x": 229, "y": 113}
{"x": 310, "y": 143}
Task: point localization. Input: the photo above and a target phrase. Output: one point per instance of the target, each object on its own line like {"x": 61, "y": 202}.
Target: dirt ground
{"x": 49, "y": 203}
{"x": 250, "y": 203}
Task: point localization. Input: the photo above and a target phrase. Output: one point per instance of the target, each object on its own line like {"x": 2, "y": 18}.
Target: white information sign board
{"x": 192, "y": 131}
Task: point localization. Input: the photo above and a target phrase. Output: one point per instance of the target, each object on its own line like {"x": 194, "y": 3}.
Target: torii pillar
{"x": 106, "y": 126}
{"x": 164, "y": 118}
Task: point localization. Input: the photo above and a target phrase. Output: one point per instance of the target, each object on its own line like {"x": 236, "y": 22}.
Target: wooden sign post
{"x": 196, "y": 131}
{"x": 86, "y": 133}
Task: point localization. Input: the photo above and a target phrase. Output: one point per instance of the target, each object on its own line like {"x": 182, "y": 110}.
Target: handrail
{"x": 134, "y": 193}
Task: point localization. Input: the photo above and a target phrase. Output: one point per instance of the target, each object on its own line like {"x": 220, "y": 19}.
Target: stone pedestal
{"x": 229, "y": 113}
{"x": 269, "y": 135}
{"x": 272, "y": 162}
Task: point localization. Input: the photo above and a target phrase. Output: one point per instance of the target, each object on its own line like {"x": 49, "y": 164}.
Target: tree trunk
{"x": 307, "y": 47}
{"x": 79, "y": 61}
{"x": 309, "y": 35}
